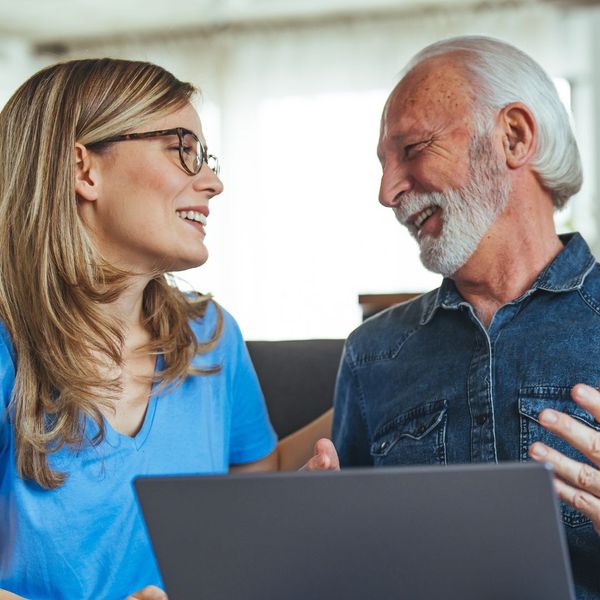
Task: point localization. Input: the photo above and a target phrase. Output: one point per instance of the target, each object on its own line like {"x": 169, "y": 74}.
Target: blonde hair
{"x": 52, "y": 279}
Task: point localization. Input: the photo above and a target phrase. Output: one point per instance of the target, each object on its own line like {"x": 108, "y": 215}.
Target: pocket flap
{"x": 415, "y": 423}
{"x": 533, "y": 400}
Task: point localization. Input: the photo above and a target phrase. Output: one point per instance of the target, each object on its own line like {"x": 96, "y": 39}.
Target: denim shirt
{"x": 424, "y": 382}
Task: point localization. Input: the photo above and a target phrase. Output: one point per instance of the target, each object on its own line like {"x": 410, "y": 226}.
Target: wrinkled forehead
{"x": 438, "y": 89}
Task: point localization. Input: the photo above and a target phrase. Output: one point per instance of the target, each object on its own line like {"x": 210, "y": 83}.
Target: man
{"x": 477, "y": 153}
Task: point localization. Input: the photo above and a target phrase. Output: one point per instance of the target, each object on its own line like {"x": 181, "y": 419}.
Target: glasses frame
{"x": 180, "y": 132}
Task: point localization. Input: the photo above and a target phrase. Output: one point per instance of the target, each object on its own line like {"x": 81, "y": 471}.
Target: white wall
{"x": 16, "y": 63}
{"x": 293, "y": 113}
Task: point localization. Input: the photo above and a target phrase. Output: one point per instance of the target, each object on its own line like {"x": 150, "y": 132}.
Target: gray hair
{"x": 505, "y": 74}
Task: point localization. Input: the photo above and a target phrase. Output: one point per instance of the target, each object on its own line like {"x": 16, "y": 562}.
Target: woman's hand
{"x": 4, "y": 595}
{"x": 150, "y": 592}
{"x": 576, "y": 483}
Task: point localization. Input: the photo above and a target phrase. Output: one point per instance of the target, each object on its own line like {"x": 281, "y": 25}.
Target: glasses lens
{"x": 213, "y": 163}
{"x": 191, "y": 153}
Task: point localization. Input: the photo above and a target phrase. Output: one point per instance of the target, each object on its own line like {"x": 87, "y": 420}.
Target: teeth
{"x": 423, "y": 216}
{"x": 192, "y": 215}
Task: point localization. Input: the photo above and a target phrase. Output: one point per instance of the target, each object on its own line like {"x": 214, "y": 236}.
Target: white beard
{"x": 467, "y": 213}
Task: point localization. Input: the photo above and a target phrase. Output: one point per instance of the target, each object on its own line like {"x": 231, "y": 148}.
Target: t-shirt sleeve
{"x": 7, "y": 380}
{"x": 252, "y": 436}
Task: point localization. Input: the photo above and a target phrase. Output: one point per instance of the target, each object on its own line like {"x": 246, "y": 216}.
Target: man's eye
{"x": 411, "y": 149}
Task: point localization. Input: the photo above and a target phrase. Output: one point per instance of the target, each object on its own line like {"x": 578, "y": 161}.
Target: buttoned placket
{"x": 480, "y": 397}
{"x": 480, "y": 385}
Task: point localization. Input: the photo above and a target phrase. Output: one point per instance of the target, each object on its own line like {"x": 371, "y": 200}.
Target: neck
{"x": 518, "y": 246}
{"x": 127, "y": 310}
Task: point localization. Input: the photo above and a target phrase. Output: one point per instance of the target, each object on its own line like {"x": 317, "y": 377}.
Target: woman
{"x": 107, "y": 371}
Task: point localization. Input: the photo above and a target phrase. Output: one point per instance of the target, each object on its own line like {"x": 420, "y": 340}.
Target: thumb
{"x": 325, "y": 457}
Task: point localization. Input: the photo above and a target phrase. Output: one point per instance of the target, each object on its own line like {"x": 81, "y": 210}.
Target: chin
{"x": 192, "y": 262}
{"x": 176, "y": 264}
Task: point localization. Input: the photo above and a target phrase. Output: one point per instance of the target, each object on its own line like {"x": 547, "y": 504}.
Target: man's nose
{"x": 395, "y": 181}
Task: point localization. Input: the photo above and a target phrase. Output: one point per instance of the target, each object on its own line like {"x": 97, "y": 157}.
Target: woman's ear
{"x": 86, "y": 175}
{"x": 519, "y": 131}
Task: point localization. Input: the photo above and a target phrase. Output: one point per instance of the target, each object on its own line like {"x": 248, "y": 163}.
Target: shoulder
{"x": 382, "y": 335}
{"x": 7, "y": 351}
{"x": 576, "y": 271}
{"x": 215, "y": 318}
{"x": 589, "y": 291}
{"x": 220, "y": 340}
{"x": 7, "y": 366}
{"x": 591, "y": 284}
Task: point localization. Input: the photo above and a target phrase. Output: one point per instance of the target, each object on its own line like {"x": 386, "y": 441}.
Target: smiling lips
{"x": 192, "y": 215}
{"x": 421, "y": 217}
{"x": 417, "y": 221}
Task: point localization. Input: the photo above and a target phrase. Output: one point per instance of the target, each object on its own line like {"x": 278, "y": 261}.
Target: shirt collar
{"x": 565, "y": 273}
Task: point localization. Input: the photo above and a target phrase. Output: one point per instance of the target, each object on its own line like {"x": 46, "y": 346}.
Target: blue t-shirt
{"x": 87, "y": 539}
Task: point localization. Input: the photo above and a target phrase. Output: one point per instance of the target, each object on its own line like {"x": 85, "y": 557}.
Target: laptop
{"x": 461, "y": 532}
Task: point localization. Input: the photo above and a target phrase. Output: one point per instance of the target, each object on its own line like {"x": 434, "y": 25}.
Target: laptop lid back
{"x": 472, "y": 532}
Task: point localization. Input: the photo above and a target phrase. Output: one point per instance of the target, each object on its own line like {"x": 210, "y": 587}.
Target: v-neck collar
{"x": 116, "y": 438}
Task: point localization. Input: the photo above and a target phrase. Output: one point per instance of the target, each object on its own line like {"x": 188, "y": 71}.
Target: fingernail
{"x": 548, "y": 416}
{"x": 539, "y": 450}
{"x": 583, "y": 393}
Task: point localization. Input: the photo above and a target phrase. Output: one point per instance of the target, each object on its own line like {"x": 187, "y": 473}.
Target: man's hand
{"x": 150, "y": 592}
{"x": 576, "y": 483}
{"x": 325, "y": 457}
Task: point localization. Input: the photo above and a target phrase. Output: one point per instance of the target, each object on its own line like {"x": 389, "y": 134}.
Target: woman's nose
{"x": 208, "y": 180}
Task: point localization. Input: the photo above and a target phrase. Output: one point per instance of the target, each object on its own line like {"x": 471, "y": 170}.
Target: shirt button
{"x": 383, "y": 445}
{"x": 481, "y": 420}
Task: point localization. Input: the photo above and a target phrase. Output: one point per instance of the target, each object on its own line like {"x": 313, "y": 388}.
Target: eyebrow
{"x": 413, "y": 132}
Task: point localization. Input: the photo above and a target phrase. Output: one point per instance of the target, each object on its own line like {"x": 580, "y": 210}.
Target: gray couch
{"x": 297, "y": 379}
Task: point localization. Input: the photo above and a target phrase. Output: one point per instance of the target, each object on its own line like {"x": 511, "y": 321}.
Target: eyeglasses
{"x": 192, "y": 153}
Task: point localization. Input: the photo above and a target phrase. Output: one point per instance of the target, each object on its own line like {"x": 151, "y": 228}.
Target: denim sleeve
{"x": 350, "y": 433}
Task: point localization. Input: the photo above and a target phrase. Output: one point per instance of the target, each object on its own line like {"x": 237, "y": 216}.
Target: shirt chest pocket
{"x": 417, "y": 436}
{"x": 532, "y": 401}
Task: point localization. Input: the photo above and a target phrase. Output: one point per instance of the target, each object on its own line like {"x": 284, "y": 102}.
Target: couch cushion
{"x": 297, "y": 378}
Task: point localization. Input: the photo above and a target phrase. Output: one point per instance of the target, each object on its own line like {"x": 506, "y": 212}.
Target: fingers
{"x": 581, "y": 476}
{"x": 582, "y": 501}
{"x": 588, "y": 398}
{"x": 325, "y": 457}
{"x": 576, "y": 483}
{"x": 150, "y": 592}
{"x": 578, "y": 435}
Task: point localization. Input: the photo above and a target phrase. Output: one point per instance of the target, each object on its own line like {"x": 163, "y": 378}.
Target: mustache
{"x": 415, "y": 202}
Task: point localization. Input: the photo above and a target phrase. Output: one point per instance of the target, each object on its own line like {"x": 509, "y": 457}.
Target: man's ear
{"x": 86, "y": 176}
{"x": 519, "y": 134}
